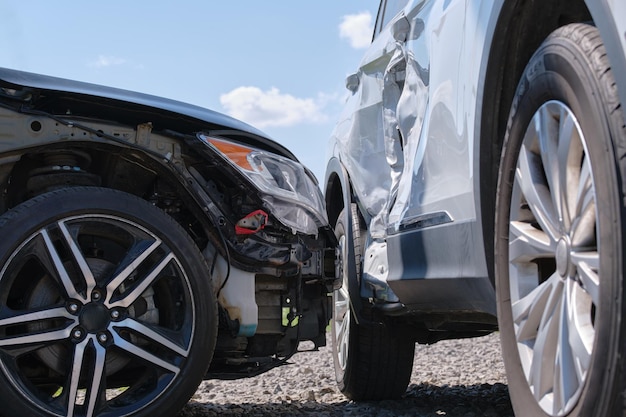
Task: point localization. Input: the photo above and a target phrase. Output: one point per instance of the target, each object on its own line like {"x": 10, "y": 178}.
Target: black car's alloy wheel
{"x": 106, "y": 307}
{"x": 559, "y": 233}
{"x": 371, "y": 362}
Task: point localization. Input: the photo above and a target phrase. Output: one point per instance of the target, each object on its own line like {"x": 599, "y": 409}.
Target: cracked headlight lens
{"x": 285, "y": 186}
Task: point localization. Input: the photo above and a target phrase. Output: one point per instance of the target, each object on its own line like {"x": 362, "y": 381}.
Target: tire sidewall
{"x": 558, "y": 72}
{"x": 29, "y": 217}
{"x": 342, "y": 376}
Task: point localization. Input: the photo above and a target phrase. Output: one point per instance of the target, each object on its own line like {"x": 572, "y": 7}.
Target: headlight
{"x": 287, "y": 189}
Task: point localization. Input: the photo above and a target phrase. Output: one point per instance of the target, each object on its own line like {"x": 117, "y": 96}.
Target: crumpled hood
{"x": 138, "y": 107}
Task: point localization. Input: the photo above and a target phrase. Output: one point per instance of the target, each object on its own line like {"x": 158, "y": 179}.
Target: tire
{"x": 106, "y": 307}
{"x": 371, "y": 362}
{"x": 559, "y": 242}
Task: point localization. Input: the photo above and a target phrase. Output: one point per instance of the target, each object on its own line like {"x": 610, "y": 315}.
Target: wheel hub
{"x": 563, "y": 257}
{"x": 95, "y": 318}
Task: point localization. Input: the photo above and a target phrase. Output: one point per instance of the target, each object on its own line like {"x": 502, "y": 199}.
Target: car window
{"x": 388, "y": 11}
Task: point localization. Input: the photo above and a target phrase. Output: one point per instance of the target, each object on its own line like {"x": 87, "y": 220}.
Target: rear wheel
{"x": 371, "y": 362}
{"x": 559, "y": 233}
{"x": 106, "y": 307}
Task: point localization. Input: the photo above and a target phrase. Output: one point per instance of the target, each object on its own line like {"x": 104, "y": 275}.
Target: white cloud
{"x": 107, "y": 61}
{"x": 272, "y": 108}
{"x": 357, "y": 28}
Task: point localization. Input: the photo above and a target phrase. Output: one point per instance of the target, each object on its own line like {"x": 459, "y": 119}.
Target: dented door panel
{"x": 412, "y": 156}
{"x": 438, "y": 165}
{"x": 407, "y": 133}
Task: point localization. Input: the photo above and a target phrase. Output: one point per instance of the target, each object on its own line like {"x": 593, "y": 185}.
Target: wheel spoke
{"x": 343, "y": 334}
{"x": 584, "y": 227}
{"x": 587, "y": 264}
{"x": 529, "y": 311}
{"x": 38, "y": 337}
{"x": 143, "y": 354}
{"x": 341, "y": 304}
{"x": 580, "y": 325}
{"x": 341, "y": 321}
{"x": 77, "y": 366}
{"x": 62, "y": 273}
{"x": 529, "y": 243}
{"x": 566, "y": 376}
{"x": 585, "y": 191}
{"x": 95, "y": 375}
{"x": 544, "y": 349}
{"x": 568, "y": 169}
{"x": 536, "y": 192}
{"x": 90, "y": 281}
{"x": 139, "y": 253}
{"x": 552, "y": 144}
{"x": 153, "y": 335}
{"x": 132, "y": 296}
{"x": 96, "y": 379}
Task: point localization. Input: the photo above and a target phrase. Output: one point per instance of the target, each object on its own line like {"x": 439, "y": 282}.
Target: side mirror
{"x": 352, "y": 82}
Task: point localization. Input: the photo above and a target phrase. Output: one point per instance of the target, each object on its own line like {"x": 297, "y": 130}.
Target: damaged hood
{"x": 139, "y": 108}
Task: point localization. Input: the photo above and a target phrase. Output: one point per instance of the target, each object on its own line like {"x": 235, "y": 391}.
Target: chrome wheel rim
{"x": 341, "y": 316}
{"x": 554, "y": 258}
{"x": 97, "y": 317}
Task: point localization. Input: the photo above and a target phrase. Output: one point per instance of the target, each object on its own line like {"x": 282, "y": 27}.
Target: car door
{"x": 367, "y": 135}
{"x": 433, "y": 119}
{"x": 404, "y": 136}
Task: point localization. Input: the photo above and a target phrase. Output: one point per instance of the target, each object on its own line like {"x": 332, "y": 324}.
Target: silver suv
{"x": 476, "y": 183}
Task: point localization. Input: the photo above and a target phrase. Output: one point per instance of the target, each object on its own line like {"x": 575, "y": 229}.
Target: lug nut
{"x": 77, "y": 333}
{"x": 73, "y": 307}
{"x": 115, "y": 314}
{"x": 102, "y": 337}
{"x": 95, "y": 295}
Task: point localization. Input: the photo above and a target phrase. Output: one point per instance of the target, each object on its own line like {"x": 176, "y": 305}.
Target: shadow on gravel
{"x": 423, "y": 400}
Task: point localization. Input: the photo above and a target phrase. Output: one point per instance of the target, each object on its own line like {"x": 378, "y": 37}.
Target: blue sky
{"x": 279, "y": 65}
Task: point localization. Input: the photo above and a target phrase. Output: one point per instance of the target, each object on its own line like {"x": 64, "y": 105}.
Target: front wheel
{"x": 371, "y": 361}
{"x": 106, "y": 308}
{"x": 559, "y": 233}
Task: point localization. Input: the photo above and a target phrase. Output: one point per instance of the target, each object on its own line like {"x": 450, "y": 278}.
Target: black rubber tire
{"x": 186, "y": 307}
{"x": 571, "y": 68}
{"x": 379, "y": 362}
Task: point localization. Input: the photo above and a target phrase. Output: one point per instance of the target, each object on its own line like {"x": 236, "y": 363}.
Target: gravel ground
{"x": 454, "y": 378}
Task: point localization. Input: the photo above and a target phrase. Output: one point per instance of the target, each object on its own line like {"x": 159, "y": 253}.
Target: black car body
{"x": 142, "y": 240}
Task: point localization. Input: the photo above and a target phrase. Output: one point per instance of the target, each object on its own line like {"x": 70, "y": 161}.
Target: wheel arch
{"x": 520, "y": 29}
{"x": 338, "y": 195}
{"x": 338, "y": 189}
{"x": 137, "y": 176}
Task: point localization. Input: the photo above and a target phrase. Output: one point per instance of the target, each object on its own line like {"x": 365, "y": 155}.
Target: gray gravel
{"x": 454, "y": 378}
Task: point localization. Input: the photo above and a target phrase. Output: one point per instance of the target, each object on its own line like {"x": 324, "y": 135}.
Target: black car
{"x": 146, "y": 244}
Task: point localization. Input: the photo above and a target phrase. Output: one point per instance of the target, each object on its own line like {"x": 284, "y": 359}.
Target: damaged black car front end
{"x": 147, "y": 244}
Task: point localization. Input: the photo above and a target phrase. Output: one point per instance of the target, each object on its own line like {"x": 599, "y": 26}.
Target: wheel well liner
{"x": 37, "y": 171}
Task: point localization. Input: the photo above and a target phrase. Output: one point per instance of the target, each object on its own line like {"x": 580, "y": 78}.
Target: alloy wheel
{"x": 554, "y": 258}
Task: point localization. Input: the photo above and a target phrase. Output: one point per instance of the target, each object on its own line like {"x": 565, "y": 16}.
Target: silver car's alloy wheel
{"x": 554, "y": 257}
{"x": 341, "y": 315}
{"x": 559, "y": 233}
{"x": 371, "y": 361}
